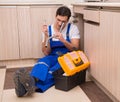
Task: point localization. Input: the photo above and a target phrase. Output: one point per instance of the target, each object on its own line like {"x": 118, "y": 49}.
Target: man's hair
{"x": 63, "y": 11}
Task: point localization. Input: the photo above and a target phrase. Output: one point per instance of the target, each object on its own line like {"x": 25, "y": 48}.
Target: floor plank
{"x": 94, "y": 92}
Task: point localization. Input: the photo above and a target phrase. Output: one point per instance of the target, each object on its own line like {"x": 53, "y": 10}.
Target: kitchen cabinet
{"x": 9, "y": 44}
{"x": 91, "y": 38}
{"x": 20, "y": 30}
{"x": 108, "y": 65}
{"x": 101, "y": 45}
{"x": 16, "y": 36}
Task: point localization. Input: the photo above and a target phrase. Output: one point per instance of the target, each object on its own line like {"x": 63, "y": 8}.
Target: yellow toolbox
{"x": 73, "y": 62}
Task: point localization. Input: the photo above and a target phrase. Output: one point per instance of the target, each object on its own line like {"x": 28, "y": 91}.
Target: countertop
{"x": 28, "y": 3}
{"x": 103, "y": 4}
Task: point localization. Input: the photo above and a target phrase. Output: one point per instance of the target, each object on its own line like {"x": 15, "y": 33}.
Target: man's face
{"x": 60, "y": 20}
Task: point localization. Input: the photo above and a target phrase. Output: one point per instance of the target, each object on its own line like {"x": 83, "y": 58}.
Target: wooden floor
{"x": 94, "y": 93}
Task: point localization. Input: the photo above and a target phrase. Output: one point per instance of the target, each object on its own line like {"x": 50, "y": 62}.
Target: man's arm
{"x": 46, "y": 49}
{"x": 74, "y": 44}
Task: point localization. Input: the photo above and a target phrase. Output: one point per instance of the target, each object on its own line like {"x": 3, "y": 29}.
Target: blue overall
{"x": 45, "y": 66}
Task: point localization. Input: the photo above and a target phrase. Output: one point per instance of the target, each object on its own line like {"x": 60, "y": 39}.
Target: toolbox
{"x": 73, "y": 62}
{"x": 66, "y": 83}
{"x": 72, "y": 72}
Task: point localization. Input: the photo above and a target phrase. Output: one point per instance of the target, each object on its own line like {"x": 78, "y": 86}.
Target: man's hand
{"x": 45, "y": 30}
{"x": 59, "y": 36}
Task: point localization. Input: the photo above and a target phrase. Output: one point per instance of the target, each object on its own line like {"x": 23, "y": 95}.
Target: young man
{"x": 64, "y": 38}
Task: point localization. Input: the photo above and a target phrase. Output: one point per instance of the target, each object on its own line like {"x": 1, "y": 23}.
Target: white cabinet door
{"x": 103, "y": 50}
{"x": 25, "y": 35}
{"x": 91, "y": 46}
{"x": 9, "y": 46}
{"x": 39, "y": 16}
{"x": 109, "y": 65}
{"x": 20, "y": 30}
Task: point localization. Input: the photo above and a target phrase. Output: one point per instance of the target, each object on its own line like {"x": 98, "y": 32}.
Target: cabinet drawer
{"x": 78, "y": 9}
{"x": 92, "y": 15}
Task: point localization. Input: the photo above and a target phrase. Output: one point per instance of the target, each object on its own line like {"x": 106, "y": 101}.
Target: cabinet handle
{"x": 92, "y": 23}
{"x": 7, "y": 6}
{"x": 93, "y": 8}
{"x": 4, "y": 66}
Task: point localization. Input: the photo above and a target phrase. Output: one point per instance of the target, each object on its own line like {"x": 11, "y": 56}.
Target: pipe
{"x": 62, "y": 25}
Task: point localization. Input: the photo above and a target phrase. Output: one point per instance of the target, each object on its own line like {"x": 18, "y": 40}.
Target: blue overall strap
{"x": 50, "y": 31}
{"x": 68, "y": 30}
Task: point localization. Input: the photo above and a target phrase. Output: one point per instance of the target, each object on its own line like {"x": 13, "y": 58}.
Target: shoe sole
{"x": 26, "y": 80}
{"x": 19, "y": 88}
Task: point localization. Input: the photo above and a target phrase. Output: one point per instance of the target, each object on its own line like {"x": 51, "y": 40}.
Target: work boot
{"x": 24, "y": 83}
{"x": 19, "y": 88}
